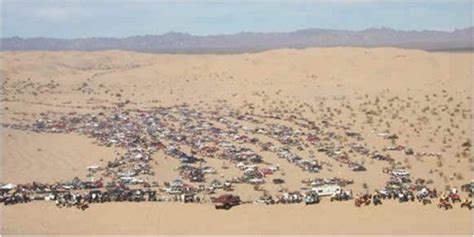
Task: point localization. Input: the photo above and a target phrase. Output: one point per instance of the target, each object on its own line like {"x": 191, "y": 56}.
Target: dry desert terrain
{"x": 422, "y": 97}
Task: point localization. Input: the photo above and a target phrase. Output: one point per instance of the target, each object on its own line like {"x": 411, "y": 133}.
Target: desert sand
{"x": 423, "y": 97}
{"x": 151, "y": 218}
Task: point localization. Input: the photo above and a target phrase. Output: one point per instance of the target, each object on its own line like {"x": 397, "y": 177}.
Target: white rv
{"x": 327, "y": 190}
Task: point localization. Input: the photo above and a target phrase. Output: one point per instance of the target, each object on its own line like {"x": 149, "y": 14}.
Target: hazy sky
{"x": 120, "y": 18}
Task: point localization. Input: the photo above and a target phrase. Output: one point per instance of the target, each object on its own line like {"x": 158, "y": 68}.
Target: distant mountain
{"x": 253, "y": 42}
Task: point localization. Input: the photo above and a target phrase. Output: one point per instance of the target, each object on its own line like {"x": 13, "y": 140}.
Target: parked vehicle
{"x": 445, "y": 204}
{"x": 341, "y": 196}
{"x": 357, "y": 168}
{"x": 327, "y": 190}
{"x": 469, "y": 187}
{"x": 400, "y": 172}
{"x": 311, "y": 197}
{"x": 467, "y": 203}
{"x": 278, "y": 181}
{"x": 226, "y": 201}
{"x": 174, "y": 190}
{"x": 152, "y": 196}
{"x": 268, "y": 200}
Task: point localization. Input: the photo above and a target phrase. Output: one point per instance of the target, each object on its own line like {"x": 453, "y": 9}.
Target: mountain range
{"x": 173, "y": 42}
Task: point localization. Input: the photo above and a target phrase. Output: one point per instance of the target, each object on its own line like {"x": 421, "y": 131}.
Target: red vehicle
{"x": 266, "y": 171}
{"x": 226, "y": 201}
{"x": 455, "y": 197}
{"x": 445, "y": 204}
{"x": 312, "y": 139}
{"x": 365, "y": 199}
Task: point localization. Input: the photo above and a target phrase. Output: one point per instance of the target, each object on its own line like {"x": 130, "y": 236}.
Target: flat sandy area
{"x": 152, "y": 218}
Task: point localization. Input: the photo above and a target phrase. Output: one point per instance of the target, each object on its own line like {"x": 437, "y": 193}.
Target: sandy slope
{"x": 48, "y": 158}
{"x": 306, "y": 82}
{"x": 302, "y": 74}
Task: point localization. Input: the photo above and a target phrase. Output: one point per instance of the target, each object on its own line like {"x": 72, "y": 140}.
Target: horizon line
{"x": 243, "y": 32}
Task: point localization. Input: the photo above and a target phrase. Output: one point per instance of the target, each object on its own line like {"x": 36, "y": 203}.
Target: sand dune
{"x": 48, "y": 158}
{"x": 423, "y": 97}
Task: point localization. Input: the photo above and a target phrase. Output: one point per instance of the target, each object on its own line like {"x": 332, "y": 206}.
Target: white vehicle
{"x": 174, "y": 190}
{"x": 225, "y": 144}
{"x": 68, "y": 187}
{"x": 241, "y": 165}
{"x": 93, "y": 168}
{"x": 256, "y": 181}
{"x": 275, "y": 167}
{"x": 209, "y": 170}
{"x": 327, "y": 190}
{"x": 8, "y": 186}
{"x": 216, "y": 184}
{"x": 131, "y": 180}
{"x": 400, "y": 172}
{"x": 126, "y": 174}
{"x": 250, "y": 167}
{"x": 383, "y": 134}
{"x": 49, "y": 197}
